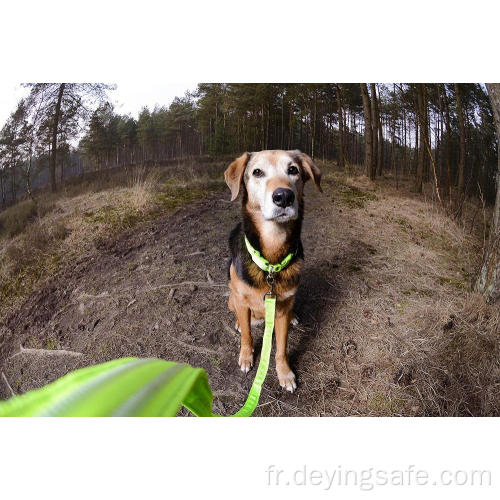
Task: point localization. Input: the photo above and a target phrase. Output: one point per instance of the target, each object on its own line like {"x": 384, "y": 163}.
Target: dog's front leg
{"x": 246, "y": 350}
{"x": 285, "y": 375}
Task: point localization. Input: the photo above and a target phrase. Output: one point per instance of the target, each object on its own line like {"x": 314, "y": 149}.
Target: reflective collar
{"x": 263, "y": 263}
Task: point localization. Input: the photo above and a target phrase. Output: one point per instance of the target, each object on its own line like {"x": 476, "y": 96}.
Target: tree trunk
{"x": 380, "y": 159}
{"x": 368, "y": 132}
{"x": 421, "y": 118}
{"x": 415, "y": 160}
{"x": 448, "y": 141}
{"x": 340, "y": 160}
{"x": 488, "y": 282}
{"x": 313, "y": 128}
{"x": 375, "y": 123}
{"x": 55, "y": 127}
{"x": 461, "y": 128}
{"x": 13, "y": 184}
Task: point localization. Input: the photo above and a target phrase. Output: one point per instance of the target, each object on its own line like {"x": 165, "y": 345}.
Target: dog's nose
{"x": 283, "y": 197}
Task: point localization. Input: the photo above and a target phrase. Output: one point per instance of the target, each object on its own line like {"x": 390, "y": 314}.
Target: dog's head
{"x": 274, "y": 181}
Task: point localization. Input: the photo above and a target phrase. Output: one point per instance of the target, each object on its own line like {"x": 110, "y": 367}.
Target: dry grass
{"x": 142, "y": 189}
{"x": 14, "y": 219}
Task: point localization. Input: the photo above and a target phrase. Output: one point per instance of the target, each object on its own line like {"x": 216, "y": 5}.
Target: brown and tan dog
{"x": 272, "y": 185}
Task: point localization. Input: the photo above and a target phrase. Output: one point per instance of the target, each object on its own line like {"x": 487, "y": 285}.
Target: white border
{"x": 262, "y": 40}
{"x": 228, "y": 458}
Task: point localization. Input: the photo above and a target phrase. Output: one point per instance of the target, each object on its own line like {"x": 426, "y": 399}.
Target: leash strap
{"x": 253, "y": 397}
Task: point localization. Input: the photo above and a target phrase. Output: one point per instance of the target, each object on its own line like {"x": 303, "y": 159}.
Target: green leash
{"x": 254, "y": 395}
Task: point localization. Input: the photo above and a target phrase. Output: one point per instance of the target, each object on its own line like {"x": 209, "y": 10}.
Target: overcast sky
{"x": 127, "y": 98}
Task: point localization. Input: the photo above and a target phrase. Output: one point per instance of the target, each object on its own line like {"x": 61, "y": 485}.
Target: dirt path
{"x": 380, "y": 281}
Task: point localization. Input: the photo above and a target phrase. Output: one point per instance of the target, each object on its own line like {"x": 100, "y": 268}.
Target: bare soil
{"x": 388, "y": 324}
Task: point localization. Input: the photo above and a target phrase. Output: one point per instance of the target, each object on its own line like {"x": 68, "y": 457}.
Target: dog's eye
{"x": 257, "y": 172}
{"x": 293, "y": 170}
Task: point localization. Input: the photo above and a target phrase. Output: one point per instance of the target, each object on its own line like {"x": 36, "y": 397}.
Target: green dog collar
{"x": 263, "y": 263}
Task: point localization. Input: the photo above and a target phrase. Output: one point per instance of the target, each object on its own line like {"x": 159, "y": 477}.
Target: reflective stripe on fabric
{"x": 263, "y": 263}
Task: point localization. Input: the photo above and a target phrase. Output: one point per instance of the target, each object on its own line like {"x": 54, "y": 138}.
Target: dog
{"x": 272, "y": 207}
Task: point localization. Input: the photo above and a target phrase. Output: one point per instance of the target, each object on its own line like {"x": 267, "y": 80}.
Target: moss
{"x": 354, "y": 197}
{"x": 404, "y": 223}
{"x": 457, "y": 283}
{"x": 418, "y": 292}
{"x": 22, "y": 282}
{"x": 172, "y": 196}
{"x": 385, "y": 405}
{"x": 216, "y": 362}
{"x": 52, "y": 343}
{"x": 116, "y": 217}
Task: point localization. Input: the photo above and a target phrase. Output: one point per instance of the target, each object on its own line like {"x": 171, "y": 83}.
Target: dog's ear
{"x": 234, "y": 174}
{"x": 309, "y": 168}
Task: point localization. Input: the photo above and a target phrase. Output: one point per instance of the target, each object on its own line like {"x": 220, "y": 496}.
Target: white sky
{"x": 127, "y": 98}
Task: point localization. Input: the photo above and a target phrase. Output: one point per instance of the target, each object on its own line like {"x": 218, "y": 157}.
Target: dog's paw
{"x": 287, "y": 379}
{"x": 295, "y": 320}
{"x": 246, "y": 359}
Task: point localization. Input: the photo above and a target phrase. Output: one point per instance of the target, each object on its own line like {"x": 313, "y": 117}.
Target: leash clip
{"x": 270, "y": 282}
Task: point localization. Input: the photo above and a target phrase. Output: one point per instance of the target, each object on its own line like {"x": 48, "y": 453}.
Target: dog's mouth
{"x": 283, "y": 215}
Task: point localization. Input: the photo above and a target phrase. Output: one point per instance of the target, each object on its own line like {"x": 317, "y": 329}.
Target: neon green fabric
{"x": 123, "y": 387}
{"x": 263, "y": 263}
{"x": 253, "y": 397}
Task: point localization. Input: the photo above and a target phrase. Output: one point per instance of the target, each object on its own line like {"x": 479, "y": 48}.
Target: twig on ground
{"x": 4, "y": 378}
{"x": 186, "y": 283}
{"x": 46, "y": 352}
{"x": 103, "y": 295}
{"x": 227, "y": 394}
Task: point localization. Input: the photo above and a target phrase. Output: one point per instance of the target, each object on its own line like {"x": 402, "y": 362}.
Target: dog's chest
{"x": 285, "y": 286}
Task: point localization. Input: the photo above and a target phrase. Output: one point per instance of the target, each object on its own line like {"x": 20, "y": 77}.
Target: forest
{"x": 439, "y": 132}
